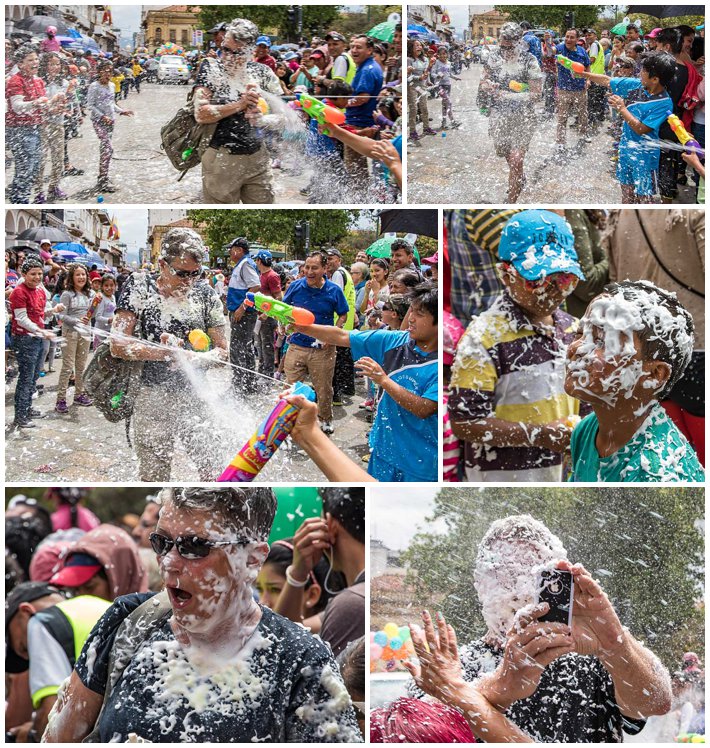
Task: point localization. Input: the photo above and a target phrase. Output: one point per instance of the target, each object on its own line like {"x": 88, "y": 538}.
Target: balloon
{"x": 388, "y": 654}
{"x": 404, "y": 633}
{"x": 396, "y": 643}
{"x": 375, "y": 651}
{"x": 372, "y": 636}
{"x": 391, "y": 629}
{"x": 381, "y": 638}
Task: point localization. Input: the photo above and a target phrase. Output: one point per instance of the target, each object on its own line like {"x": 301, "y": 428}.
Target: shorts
{"x": 637, "y": 172}
{"x": 511, "y": 130}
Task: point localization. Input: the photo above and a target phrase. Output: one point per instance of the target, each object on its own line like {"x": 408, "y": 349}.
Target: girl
{"x": 376, "y": 289}
{"x": 441, "y": 76}
{"x": 417, "y": 95}
{"x": 106, "y": 308}
{"x": 75, "y": 300}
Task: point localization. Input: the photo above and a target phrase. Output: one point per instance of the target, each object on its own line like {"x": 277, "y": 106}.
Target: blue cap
{"x": 264, "y": 40}
{"x": 264, "y": 254}
{"x": 539, "y": 243}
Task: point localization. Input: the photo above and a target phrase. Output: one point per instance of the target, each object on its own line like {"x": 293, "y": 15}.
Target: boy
{"x": 403, "y": 364}
{"x": 507, "y": 398}
{"x": 637, "y": 169}
{"x": 634, "y": 344}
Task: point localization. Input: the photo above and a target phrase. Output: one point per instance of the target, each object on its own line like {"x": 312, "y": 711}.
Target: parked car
{"x": 173, "y": 69}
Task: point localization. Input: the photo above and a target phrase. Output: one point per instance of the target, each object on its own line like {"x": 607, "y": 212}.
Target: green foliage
{"x": 272, "y": 227}
{"x": 360, "y": 23}
{"x": 648, "y": 539}
{"x": 552, "y": 16}
{"x": 271, "y": 19}
{"x": 651, "y": 22}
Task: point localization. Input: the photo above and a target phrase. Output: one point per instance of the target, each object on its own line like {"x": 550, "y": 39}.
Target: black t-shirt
{"x": 234, "y": 132}
{"x": 675, "y": 90}
{"x": 287, "y": 687}
{"x": 200, "y": 309}
{"x": 573, "y": 703}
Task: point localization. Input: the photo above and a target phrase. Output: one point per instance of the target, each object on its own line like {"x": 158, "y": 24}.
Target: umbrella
{"x": 37, "y": 233}
{"x": 73, "y": 247}
{"x": 622, "y": 27}
{"x": 383, "y": 31}
{"x": 418, "y": 28}
{"x": 65, "y": 254}
{"x": 91, "y": 258}
{"x": 424, "y": 222}
{"x": 382, "y": 247}
{"x": 667, "y": 11}
{"x": 38, "y": 25}
{"x": 280, "y": 47}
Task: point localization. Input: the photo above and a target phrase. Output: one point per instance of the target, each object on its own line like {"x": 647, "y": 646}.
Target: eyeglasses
{"x": 184, "y": 273}
{"x": 234, "y": 52}
{"x": 190, "y": 547}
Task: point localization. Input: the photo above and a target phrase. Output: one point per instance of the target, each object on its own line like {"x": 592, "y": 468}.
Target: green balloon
{"x": 404, "y": 633}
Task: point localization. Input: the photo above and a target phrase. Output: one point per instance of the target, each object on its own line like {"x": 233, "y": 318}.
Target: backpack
{"x": 184, "y": 139}
{"x": 112, "y": 383}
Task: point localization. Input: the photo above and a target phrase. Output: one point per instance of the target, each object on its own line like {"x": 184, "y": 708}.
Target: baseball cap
{"x": 317, "y": 52}
{"x": 240, "y": 242}
{"x": 219, "y": 27}
{"x": 263, "y": 40}
{"x": 290, "y": 56}
{"x": 77, "y": 570}
{"x": 27, "y": 592}
{"x": 264, "y": 254}
{"x": 45, "y": 241}
{"x": 653, "y": 33}
{"x": 335, "y": 35}
{"x": 433, "y": 260}
{"x": 334, "y": 252}
{"x": 539, "y": 243}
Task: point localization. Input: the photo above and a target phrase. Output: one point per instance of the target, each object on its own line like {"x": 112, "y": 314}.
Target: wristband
{"x": 294, "y": 582}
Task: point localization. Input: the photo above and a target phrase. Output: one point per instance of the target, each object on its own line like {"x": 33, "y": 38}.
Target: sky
{"x": 127, "y": 18}
{"x": 459, "y": 14}
{"x": 133, "y": 225}
{"x": 397, "y": 514}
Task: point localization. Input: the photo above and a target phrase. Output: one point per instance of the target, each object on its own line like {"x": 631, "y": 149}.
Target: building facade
{"x": 486, "y": 24}
{"x": 173, "y": 23}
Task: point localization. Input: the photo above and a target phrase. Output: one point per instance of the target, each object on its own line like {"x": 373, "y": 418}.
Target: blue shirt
{"x": 324, "y": 302}
{"x": 368, "y": 80}
{"x": 534, "y": 46}
{"x": 565, "y": 80}
{"x": 398, "y": 437}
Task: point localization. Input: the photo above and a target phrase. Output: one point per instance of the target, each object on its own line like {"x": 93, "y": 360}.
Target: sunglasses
{"x": 233, "y": 52}
{"x": 190, "y": 547}
{"x": 184, "y": 273}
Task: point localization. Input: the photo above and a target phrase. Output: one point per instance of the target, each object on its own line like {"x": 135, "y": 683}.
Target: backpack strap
{"x": 134, "y": 630}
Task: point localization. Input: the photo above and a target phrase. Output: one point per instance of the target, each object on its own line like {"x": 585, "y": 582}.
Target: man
{"x": 244, "y": 278}
{"x": 342, "y": 527}
{"x": 306, "y": 356}
{"x": 44, "y": 633}
{"x": 402, "y": 256}
{"x": 148, "y": 521}
{"x": 261, "y": 54}
{"x": 366, "y": 85}
{"x": 652, "y": 39}
{"x": 571, "y": 89}
{"x": 344, "y": 374}
{"x": 270, "y": 285}
{"x": 588, "y": 682}
{"x": 393, "y": 63}
{"x": 633, "y": 33}
{"x": 596, "y": 94}
{"x": 218, "y": 31}
{"x": 343, "y": 67}
{"x": 534, "y": 44}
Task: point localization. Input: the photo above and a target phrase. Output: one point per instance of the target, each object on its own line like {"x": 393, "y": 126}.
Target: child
{"x": 75, "y": 300}
{"x": 634, "y": 344}
{"x": 394, "y": 310}
{"x": 507, "y": 398}
{"x": 451, "y": 445}
{"x": 103, "y": 315}
{"x": 441, "y": 75}
{"x": 638, "y": 156}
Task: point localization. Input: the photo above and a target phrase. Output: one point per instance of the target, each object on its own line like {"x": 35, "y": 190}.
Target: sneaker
{"x": 40, "y": 199}
{"x": 106, "y": 187}
{"x": 429, "y": 131}
{"x": 72, "y": 171}
{"x": 24, "y": 425}
{"x": 338, "y": 401}
{"x": 83, "y": 399}
{"x": 414, "y": 137}
{"x": 368, "y": 403}
{"x": 57, "y": 194}
{"x": 40, "y": 389}
{"x": 327, "y": 427}
{"x": 61, "y": 406}
{"x": 34, "y": 413}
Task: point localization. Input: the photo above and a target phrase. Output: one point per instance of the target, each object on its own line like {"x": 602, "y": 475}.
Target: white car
{"x": 173, "y": 69}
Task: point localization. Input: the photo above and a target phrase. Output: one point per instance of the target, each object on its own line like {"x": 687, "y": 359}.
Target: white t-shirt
{"x": 49, "y": 665}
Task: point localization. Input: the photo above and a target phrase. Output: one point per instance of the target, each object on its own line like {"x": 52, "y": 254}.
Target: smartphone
{"x": 557, "y": 590}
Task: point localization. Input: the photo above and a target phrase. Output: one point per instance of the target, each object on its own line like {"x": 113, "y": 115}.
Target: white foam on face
{"x": 511, "y": 556}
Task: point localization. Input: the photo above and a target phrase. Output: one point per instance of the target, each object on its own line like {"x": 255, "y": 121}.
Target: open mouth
{"x": 179, "y": 598}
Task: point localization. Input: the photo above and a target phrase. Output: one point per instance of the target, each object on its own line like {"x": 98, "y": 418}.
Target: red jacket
{"x": 30, "y": 89}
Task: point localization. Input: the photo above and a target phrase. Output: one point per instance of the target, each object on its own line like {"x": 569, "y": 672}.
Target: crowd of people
{"x": 245, "y": 96}
{"x": 375, "y": 320}
{"x": 574, "y": 345}
{"x": 190, "y": 623}
{"x": 624, "y": 89}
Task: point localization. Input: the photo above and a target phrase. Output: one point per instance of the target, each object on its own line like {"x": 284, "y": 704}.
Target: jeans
{"x": 267, "y": 333}
{"x": 28, "y": 352}
{"x": 241, "y": 353}
{"x": 26, "y": 144}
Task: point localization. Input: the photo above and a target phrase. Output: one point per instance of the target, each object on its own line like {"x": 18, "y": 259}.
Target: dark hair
{"x": 425, "y": 297}
{"x": 698, "y": 49}
{"x": 251, "y": 509}
{"x": 525, "y": 25}
{"x": 397, "y": 303}
{"x": 24, "y": 51}
{"x": 380, "y": 50}
{"x": 106, "y": 278}
{"x": 685, "y": 30}
{"x": 408, "y": 277}
{"x": 352, "y": 668}
{"x": 672, "y": 37}
{"x": 103, "y": 65}
{"x": 671, "y": 348}
{"x": 381, "y": 262}
{"x": 69, "y": 280}
{"x": 44, "y": 63}
{"x": 23, "y": 534}
{"x": 30, "y": 263}
{"x": 636, "y": 47}
{"x": 340, "y": 88}
{"x": 410, "y": 47}
{"x": 576, "y": 32}
{"x": 347, "y": 505}
{"x": 402, "y": 244}
{"x": 322, "y": 256}
{"x": 368, "y": 40}
{"x": 660, "y": 65}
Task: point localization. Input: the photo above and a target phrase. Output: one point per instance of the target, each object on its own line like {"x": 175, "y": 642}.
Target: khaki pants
{"x": 74, "y": 355}
{"x": 232, "y": 179}
{"x": 417, "y": 101}
{"x": 571, "y": 101}
{"x": 318, "y": 364}
{"x": 356, "y": 165}
{"x": 52, "y": 149}
{"x": 160, "y": 415}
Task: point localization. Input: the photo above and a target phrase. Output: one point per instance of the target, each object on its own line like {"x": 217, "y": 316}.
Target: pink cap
{"x": 654, "y": 33}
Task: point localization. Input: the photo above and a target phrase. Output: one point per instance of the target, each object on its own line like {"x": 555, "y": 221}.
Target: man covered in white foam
{"x": 635, "y": 342}
{"x": 201, "y": 661}
{"x": 584, "y": 683}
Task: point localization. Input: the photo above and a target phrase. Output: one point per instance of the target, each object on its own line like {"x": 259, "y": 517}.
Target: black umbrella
{"x": 399, "y": 220}
{"x": 668, "y": 11}
{"x": 38, "y": 25}
{"x": 37, "y": 233}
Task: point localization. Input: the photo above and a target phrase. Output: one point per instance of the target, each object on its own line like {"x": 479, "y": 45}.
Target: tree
{"x": 644, "y": 545}
{"x": 360, "y": 23}
{"x": 269, "y": 18}
{"x": 272, "y": 227}
{"x": 552, "y": 16}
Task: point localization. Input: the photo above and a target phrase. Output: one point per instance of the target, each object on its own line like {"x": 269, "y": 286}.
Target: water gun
{"x": 573, "y": 67}
{"x": 199, "y": 340}
{"x": 267, "y": 438}
{"x": 284, "y": 313}
{"x": 93, "y": 306}
{"x": 322, "y": 113}
{"x": 685, "y": 138}
{"x": 518, "y": 87}
{"x": 262, "y": 106}
{"x": 690, "y": 737}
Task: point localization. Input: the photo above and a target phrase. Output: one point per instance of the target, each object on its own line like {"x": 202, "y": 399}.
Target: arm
{"x": 326, "y": 333}
{"x": 23, "y": 320}
{"x": 42, "y": 714}
{"x": 362, "y": 145}
{"x": 206, "y": 113}
{"x": 421, "y": 407}
{"x": 496, "y": 432}
{"x": 130, "y": 348}
{"x": 600, "y": 80}
{"x": 75, "y": 713}
{"x": 633, "y": 122}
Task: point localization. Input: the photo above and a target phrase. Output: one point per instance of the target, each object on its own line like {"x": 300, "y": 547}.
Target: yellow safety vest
{"x": 349, "y": 291}
{"x": 597, "y": 66}
{"x": 352, "y": 69}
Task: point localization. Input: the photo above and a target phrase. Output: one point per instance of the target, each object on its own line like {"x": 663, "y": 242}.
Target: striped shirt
{"x": 508, "y": 368}
{"x": 451, "y": 448}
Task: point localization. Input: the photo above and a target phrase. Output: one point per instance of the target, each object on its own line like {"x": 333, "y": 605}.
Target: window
{"x": 173, "y": 35}
{"x": 490, "y": 31}
{"x": 185, "y": 39}
{"x": 158, "y": 35}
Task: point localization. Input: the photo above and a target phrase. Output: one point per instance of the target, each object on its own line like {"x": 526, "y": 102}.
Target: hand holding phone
{"x": 557, "y": 590}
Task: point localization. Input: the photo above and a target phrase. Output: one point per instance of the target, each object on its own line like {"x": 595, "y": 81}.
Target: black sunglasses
{"x": 184, "y": 273}
{"x": 190, "y": 547}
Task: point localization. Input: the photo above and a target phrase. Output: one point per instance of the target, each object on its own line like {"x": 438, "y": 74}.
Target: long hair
{"x": 69, "y": 284}
{"x": 418, "y": 721}
{"x": 44, "y": 64}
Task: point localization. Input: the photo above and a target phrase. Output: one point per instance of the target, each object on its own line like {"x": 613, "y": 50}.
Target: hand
{"x": 222, "y": 354}
{"x": 48, "y": 335}
{"x": 127, "y": 113}
{"x": 237, "y": 314}
{"x": 306, "y": 425}
{"x": 371, "y": 369}
{"x": 693, "y": 159}
{"x": 385, "y": 152}
{"x": 529, "y": 648}
{"x": 439, "y": 670}
{"x": 311, "y": 539}
{"x": 86, "y": 319}
{"x": 106, "y": 121}
{"x": 21, "y": 732}
{"x": 58, "y": 309}
{"x": 247, "y": 100}
{"x": 616, "y": 102}
{"x": 554, "y": 436}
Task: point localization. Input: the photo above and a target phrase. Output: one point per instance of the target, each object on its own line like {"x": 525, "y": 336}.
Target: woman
{"x": 417, "y": 94}
{"x": 403, "y": 280}
{"x": 379, "y": 54}
{"x": 202, "y": 661}
{"x": 376, "y": 288}
{"x": 360, "y": 274}
{"x": 164, "y": 311}
{"x": 283, "y": 73}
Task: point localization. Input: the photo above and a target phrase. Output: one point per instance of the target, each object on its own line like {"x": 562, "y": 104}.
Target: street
{"x": 140, "y": 170}
{"x": 460, "y": 165}
{"x": 84, "y": 446}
